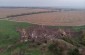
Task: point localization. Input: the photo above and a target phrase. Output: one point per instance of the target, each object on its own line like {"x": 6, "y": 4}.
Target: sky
{"x": 44, "y": 3}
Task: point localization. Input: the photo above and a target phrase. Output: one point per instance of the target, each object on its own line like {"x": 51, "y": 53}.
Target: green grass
{"x": 8, "y": 33}
{"x": 75, "y": 28}
{"x": 8, "y": 29}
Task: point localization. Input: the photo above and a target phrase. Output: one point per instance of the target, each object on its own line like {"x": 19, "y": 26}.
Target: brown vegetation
{"x": 41, "y": 34}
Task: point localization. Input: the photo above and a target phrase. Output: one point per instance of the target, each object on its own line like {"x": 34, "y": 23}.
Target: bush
{"x": 54, "y": 49}
{"x": 83, "y": 39}
{"x": 74, "y": 51}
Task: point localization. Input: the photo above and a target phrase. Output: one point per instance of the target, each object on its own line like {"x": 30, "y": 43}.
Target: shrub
{"x": 54, "y": 49}
{"x": 74, "y": 51}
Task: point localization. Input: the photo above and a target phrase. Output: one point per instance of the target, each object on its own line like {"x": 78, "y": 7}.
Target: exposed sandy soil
{"x": 64, "y": 18}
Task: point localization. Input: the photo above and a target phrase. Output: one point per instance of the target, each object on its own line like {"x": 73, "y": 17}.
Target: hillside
{"x": 16, "y": 39}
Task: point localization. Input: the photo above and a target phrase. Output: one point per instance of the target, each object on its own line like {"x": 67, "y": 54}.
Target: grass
{"x": 8, "y": 33}
{"x": 75, "y": 28}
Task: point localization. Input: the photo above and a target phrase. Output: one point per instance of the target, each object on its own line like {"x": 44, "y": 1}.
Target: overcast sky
{"x": 46, "y": 3}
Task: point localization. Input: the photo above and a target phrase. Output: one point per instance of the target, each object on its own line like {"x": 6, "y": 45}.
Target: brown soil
{"x": 64, "y": 18}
